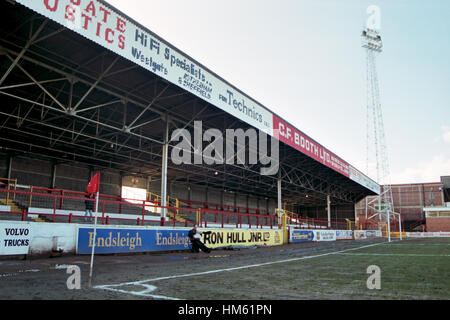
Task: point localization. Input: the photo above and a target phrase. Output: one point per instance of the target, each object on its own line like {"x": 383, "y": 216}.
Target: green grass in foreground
{"x": 410, "y": 269}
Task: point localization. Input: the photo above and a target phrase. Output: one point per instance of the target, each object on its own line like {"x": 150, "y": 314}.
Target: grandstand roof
{"x": 98, "y": 90}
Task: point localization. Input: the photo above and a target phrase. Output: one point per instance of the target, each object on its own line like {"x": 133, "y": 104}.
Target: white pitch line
{"x": 396, "y": 254}
{"x": 144, "y": 293}
{"x": 17, "y": 273}
{"x": 111, "y": 287}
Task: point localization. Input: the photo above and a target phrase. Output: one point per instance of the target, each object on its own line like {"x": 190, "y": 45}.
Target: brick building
{"x": 410, "y": 201}
{"x": 438, "y": 217}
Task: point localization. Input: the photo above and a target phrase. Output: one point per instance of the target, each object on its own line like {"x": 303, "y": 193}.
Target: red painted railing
{"x": 222, "y": 207}
{"x": 69, "y": 206}
{"x": 312, "y": 223}
{"x": 220, "y": 218}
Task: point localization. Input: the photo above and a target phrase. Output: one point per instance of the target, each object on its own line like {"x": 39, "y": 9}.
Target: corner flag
{"x": 94, "y": 187}
{"x": 94, "y": 184}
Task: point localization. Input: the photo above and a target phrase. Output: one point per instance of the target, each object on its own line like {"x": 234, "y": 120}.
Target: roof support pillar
{"x": 53, "y": 182}
{"x": 280, "y": 205}
{"x": 329, "y": 211}
{"x": 10, "y": 162}
{"x": 165, "y": 155}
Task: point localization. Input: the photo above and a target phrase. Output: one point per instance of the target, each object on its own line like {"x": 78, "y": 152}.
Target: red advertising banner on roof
{"x": 301, "y": 142}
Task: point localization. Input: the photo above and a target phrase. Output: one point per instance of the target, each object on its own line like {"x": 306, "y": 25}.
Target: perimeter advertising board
{"x": 344, "y": 235}
{"x": 120, "y": 240}
{"x": 296, "y": 236}
{"x": 125, "y": 240}
{"x": 15, "y": 238}
{"x": 373, "y": 233}
{"x": 427, "y": 234}
{"x": 325, "y": 235}
{"x": 360, "y": 234}
{"x": 237, "y": 238}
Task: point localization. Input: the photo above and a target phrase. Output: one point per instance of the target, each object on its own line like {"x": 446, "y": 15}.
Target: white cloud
{"x": 427, "y": 171}
{"x": 446, "y": 134}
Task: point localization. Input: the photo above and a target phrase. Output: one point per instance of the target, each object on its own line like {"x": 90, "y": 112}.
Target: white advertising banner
{"x": 363, "y": 180}
{"x": 428, "y": 234}
{"x": 344, "y": 235}
{"x": 100, "y": 23}
{"x": 374, "y": 234}
{"x": 14, "y": 238}
{"x": 325, "y": 235}
{"x": 360, "y": 234}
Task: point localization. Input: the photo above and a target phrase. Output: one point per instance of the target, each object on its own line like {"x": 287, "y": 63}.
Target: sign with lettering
{"x": 301, "y": 142}
{"x": 364, "y": 180}
{"x": 373, "y": 234}
{"x": 301, "y": 236}
{"x": 99, "y": 22}
{"x": 237, "y": 237}
{"x": 344, "y": 235}
{"x": 325, "y": 235}
{"x": 15, "y": 238}
{"x": 360, "y": 234}
{"x": 121, "y": 240}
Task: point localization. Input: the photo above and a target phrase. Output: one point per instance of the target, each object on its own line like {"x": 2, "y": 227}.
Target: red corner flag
{"x": 94, "y": 184}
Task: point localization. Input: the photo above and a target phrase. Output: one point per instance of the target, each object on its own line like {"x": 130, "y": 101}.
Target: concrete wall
{"x": 32, "y": 172}
{"x": 70, "y": 177}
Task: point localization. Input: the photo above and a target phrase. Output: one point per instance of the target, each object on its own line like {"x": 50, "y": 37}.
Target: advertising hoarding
{"x": 344, "y": 235}
{"x": 15, "y": 239}
{"x": 126, "y": 240}
{"x": 121, "y": 240}
{"x": 325, "y": 235}
{"x": 301, "y": 236}
{"x": 237, "y": 238}
{"x": 100, "y": 23}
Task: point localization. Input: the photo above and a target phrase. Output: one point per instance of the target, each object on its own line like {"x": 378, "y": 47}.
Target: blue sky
{"x": 303, "y": 60}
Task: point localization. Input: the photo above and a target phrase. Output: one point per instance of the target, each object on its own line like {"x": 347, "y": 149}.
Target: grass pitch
{"x": 410, "y": 269}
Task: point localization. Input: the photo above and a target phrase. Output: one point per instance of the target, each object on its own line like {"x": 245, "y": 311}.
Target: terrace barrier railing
{"x": 69, "y": 207}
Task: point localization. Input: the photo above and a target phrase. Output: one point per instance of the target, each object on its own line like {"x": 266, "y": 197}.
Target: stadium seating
{"x": 54, "y": 205}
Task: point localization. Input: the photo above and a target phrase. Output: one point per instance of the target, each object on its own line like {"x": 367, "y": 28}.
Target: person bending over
{"x": 195, "y": 235}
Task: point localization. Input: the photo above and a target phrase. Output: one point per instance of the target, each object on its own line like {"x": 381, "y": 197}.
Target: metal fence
{"x": 64, "y": 206}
